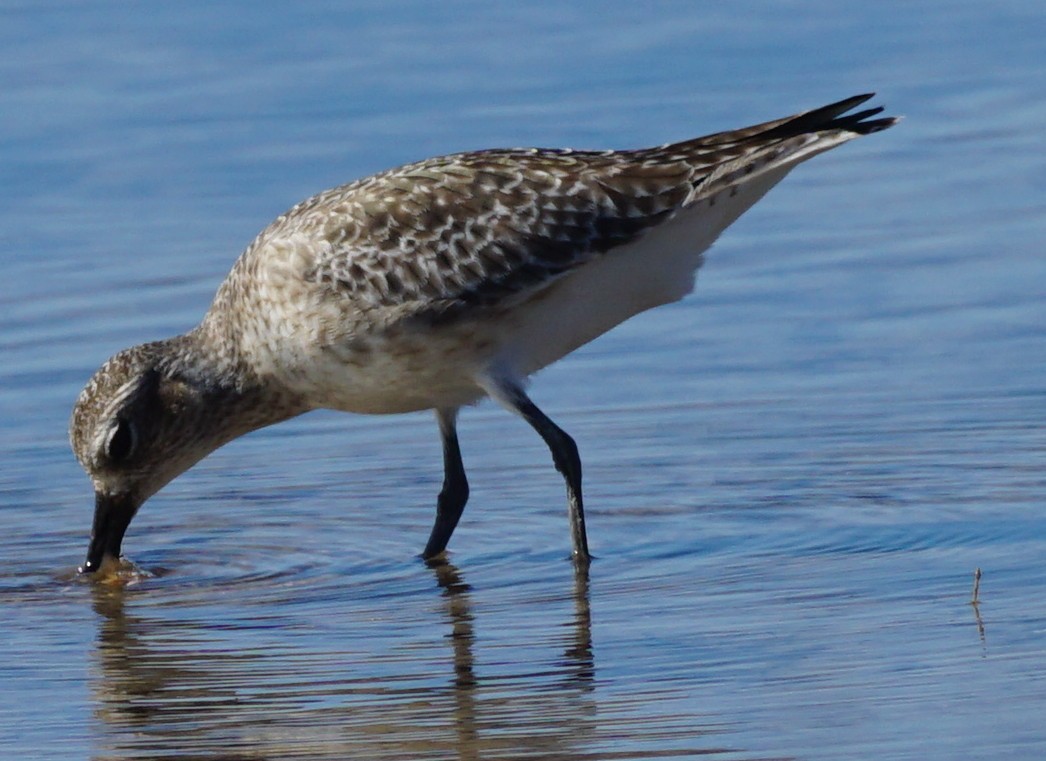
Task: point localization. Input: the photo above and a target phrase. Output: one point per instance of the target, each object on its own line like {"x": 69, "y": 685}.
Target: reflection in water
{"x": 566, "y": 715}
{"x": 462, "y": 636}
{"x": 975, "y": 603}
{"x": 152, "y": 697}
{"x": 171, "y": 685}
{"x": 980, "y": 627}
{"x": 458, "y": 606}
{"x": 580, "y": 652}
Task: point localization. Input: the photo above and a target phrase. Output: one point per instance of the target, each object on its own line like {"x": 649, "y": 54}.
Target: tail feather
{"x": 780, "y": 145}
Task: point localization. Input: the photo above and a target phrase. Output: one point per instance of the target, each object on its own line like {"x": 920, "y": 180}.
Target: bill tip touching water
{"x": 432, "y": 286}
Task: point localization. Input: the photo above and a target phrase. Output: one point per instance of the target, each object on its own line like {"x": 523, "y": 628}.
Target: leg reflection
{"x": 458, "y": 607}
{"x": 578, "y": 655}
{"x": 563, "y": 716}
{"x": 459, "y": 611}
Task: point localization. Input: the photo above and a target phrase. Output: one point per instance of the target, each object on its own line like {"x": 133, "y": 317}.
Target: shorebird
{"x": 432, "y": 286}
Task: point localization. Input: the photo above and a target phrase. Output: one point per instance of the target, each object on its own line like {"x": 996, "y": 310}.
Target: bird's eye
{"x": 121, "y": 442}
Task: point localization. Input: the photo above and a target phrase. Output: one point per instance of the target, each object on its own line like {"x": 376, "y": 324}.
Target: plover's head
{"x": 135, "y": 426}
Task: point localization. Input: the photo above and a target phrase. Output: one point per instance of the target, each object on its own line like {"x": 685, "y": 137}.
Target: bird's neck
{"x": 224, "y": 385}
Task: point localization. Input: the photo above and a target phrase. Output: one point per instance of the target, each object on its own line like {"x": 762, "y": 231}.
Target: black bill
{"x": 112, "y": 516}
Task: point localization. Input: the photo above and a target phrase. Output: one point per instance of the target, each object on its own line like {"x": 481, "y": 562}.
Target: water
{"x": 792, "y": 474}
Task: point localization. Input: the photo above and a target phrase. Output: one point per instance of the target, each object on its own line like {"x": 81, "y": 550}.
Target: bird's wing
{"x": 486, "y": 228}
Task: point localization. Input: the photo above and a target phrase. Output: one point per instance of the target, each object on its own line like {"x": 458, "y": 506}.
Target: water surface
{"x": 791, "y": 475}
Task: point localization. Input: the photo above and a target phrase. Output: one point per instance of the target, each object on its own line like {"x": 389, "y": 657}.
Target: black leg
{"x": 564, "y": 455}
{"x": 455, "y": 492}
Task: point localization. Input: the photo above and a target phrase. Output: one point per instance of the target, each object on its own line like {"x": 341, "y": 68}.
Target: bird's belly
{"x": 390, "y": 372}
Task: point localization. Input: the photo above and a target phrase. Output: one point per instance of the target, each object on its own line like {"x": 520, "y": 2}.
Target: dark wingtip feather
{"x": 875, "y": 125}
{"x": 835, "y": 116}
{"x": 860, "y": 122}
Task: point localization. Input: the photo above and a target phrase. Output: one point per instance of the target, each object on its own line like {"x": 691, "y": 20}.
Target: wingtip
{"x": 847, "y": 104}
{"x": 861, "y": 121}
{"x": 835, "y": 116}
{"x": 875, "y": 125}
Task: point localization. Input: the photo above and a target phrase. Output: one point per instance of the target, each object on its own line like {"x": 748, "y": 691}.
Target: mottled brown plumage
{"x": 431, "y": 286}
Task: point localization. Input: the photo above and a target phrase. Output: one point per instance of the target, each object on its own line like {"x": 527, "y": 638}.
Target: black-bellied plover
{"x": 432, "y": 286}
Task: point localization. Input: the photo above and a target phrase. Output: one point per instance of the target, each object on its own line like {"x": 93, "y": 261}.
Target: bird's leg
{"x": 564, "y": 454}
{"x": 455, "y": 491}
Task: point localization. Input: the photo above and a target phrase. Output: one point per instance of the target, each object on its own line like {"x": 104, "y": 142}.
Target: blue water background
{"x": 792, "y": 474}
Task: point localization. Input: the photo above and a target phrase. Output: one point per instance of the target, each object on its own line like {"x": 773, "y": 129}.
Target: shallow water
{"x": 791, "y": 475}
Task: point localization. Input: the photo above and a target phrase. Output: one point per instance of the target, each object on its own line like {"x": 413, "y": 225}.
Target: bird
{"x": 432, "y": 286}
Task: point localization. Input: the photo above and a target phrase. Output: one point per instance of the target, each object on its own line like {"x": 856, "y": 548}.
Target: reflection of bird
{"x": 431, "y": 286}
